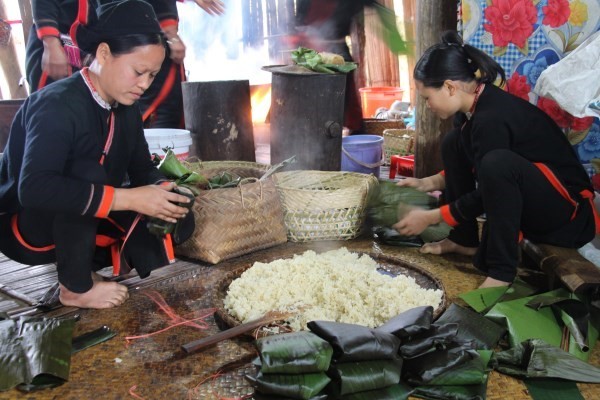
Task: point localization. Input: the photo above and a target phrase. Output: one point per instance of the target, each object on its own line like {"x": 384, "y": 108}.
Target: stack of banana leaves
{"x": 408, "y": 355}
{"x": 388, "y": 203}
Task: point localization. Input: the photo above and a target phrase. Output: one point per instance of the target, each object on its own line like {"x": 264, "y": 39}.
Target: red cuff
{"x": 168, "y": 22}
{"x": 106, "y": 202}
{"x": 442, "y": 173}
{"x": 447, "y": 216}
{"x": 47, "y": 31}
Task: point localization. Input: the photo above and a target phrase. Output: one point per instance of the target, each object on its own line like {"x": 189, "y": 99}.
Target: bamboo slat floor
{"x": 158, "y": 368}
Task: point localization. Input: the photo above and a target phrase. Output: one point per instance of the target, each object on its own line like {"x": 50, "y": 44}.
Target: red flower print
{"x": 556, "y": 13}
{"x": 517, "y": 85}
{"x": 560, "y": 116}
{"x": 510, "y": 21}
{"x": 581, "y": 124}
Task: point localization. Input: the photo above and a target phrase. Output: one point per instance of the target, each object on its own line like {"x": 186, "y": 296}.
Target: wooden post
{"x": 218, "y": 116}
{"x": 26, "y": 17}
{"x": 410, "y": 31}
{"x": 10, "y": 66}
{"x": 433, "y": 17}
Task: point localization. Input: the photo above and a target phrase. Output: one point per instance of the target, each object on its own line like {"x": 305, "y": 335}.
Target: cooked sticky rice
{"x": 334, "y": 286}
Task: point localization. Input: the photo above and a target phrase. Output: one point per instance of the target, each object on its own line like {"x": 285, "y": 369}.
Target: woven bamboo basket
{"x": 323, "y": 205}
{"x": 234, "y": 221}
{"x": 398, "y": 142}
{"x": 375, "y": 126}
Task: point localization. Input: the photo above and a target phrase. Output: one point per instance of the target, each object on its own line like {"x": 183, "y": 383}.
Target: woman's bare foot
{"x": 101, "y": 295}
{"x": 491, "y": 282}
{"x": 96, "y": 277}
{"x": 447, "y": 246}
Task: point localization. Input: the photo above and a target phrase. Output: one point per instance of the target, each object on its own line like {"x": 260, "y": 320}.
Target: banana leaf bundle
{"x": 362, "y": 376}
{"x": 390, "y": 202}
{"x": 352, "y": 342}
{"x": 425, "y": 369}
{"x": 412, "y": 322}
{"x": 315, "y": 61}
{"x": 473, "y": 326}
{"x": 261, "y": 396}
{"x": 294, "y": 353}
{"x": 295, "y": 386}
{"x": 438, "y": 336}
{"x": 172, "y": 168}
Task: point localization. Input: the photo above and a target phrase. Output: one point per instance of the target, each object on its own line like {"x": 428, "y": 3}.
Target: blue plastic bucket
{"x": 362, "y": 153}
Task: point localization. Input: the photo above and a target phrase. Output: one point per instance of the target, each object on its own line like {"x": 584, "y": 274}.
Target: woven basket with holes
{"x": 323, "y": 205}
{"x": 398, "y": 142}
{"x": 234, "y": 221}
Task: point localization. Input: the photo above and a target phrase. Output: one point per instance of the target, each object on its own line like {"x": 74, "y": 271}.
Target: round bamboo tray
{"x": 387, "y": 265}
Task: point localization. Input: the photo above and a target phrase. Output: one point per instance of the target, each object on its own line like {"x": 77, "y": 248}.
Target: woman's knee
{"x": 498, "y": 163}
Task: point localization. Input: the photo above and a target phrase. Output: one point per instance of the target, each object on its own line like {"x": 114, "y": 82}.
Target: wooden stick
{"x": 233, "y": 332}
{"x": 17, "y": 295}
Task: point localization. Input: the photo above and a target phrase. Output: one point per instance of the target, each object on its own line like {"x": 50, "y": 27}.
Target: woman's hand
{"x": 428, "y": 184}
{"x": 212, "y": 7}
{"x": 176, "y": 46}
{"x": 153, "y": 201}
{"x": 416, "y": 220}
{"x": 54, "y": 58}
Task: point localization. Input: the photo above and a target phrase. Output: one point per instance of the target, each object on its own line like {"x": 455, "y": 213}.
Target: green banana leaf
{"x": 438, "y": 336}
{"x": 312, "y": 60}
{"x": 297, "y": 386}
{"x": 472, "y": 372}
{"x": 460, "y": 392}
{"x": 294, "y": 353}
{"x": 552, "y": 389}
{"x": 536, "y": 358}
{"x": 389, "y": 32}
{"x": 387, "y": 205}
{"x": 172, "y": 168}
{"x": 473, "y": 326}
{"x": 356, "y": 377}
{"x": 482, "y": 300}
{"x": 524, "y": 322}
{"x": 35, "y": 351}
{"x": 261, "y": 396}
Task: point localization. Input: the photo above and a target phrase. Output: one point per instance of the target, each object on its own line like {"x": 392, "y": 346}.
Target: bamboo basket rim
{"x": 388, "y": 264}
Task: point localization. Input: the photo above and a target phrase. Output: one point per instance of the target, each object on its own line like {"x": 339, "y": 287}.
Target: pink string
{"x": 133, "y": 394}
{"x": 175, "y": 319}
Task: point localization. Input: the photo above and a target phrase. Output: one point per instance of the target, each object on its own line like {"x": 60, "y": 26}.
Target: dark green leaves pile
{"x": 310, "y": 59}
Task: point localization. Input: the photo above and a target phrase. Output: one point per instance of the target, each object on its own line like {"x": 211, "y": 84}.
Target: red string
{"x": 176, "y": 320}
{"x": 133, "y": 394}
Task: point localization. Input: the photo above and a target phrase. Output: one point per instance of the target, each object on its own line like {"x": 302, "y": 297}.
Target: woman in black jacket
{"x": 506, "y": 158}
{"x": 71, "y": 148}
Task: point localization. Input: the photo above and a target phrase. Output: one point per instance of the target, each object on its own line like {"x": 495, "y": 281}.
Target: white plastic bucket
{"x": 179, "y": 140}
{"x": 362, "y": 153}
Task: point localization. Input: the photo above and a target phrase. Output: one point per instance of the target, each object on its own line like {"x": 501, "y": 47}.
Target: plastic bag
{"x": 573, "y": 81}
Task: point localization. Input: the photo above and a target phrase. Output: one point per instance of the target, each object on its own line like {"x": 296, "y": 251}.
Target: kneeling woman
{"x": 77, "y": 170}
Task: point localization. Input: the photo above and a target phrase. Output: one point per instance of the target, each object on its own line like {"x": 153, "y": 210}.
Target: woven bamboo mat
{"x": 156, "y": 367}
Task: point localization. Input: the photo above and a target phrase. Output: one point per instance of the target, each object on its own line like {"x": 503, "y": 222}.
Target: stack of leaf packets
{"x": 365, "y": 361}
{"x": 389, "y": 202}
{"x": 35, "y": 351}
{"x": 292, "y": 366}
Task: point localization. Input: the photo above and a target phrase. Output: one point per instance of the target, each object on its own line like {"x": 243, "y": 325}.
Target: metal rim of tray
{"x": 422, "y": 277}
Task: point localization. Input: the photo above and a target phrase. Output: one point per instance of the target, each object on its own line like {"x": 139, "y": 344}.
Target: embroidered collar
{"x": 86, "y": 78}
{"x": 478, "y": 91}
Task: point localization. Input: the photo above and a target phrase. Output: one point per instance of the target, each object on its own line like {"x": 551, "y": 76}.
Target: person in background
{"x": 162, "y": 103}
{"x": 71, "y": 147}
{"x": 51, "y": 52}
{"x": 505, "y": 158}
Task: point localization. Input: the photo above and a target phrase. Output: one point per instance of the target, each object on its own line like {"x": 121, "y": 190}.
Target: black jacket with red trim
{"x": 52, "y": 17}
{"x": 504, "y": 121}
{"x": 52, "y": 158}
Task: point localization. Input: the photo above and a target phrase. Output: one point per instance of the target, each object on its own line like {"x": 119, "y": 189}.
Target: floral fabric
{"x": 527, "y": 36}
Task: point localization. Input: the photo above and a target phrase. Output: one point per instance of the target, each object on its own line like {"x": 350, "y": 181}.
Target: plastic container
{"x": 179, "y": 140}
{"x": 362, "y": 153}
{"x": 372, "y": 98}
{"x": 402, "y": 165}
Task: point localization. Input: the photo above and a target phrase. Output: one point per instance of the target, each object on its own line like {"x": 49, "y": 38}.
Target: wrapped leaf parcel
{"x": 390, "y": 202}
{"x": 34, "y": 349}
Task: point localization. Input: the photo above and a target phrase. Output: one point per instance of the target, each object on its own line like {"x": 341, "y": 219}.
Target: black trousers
{"x": 36, "y": 237}
{"x": 518, "y": 201}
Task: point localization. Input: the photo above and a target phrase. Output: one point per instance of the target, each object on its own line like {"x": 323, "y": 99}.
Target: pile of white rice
{"x": 333, "y": 286}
